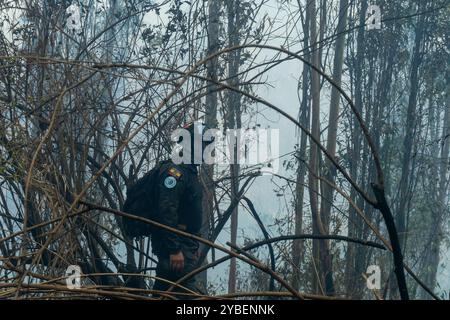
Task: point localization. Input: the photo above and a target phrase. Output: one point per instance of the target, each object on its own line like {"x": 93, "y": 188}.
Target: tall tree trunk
{"x": 352, "y": 273}
{"x": 297, "y": 245}
{"x": 234, "y": 122}
{"x": 404, "y": 185}
{"x": 438, "y": 214}
{"x": 321, "y": 256}
{"x": 327, "y": 191}
{"x": 207, "y": 173}
{"x": 404, "y": 194}
{"x": 334, "y": 112}
{"x": 315, "y": 130}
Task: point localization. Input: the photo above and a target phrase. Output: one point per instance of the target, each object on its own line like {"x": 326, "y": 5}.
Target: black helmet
{"x": 197, "y": 130}
{"x": 196, "y": 127}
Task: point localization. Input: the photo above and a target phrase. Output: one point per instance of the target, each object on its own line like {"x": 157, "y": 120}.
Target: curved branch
{"x": 267, "y": 236}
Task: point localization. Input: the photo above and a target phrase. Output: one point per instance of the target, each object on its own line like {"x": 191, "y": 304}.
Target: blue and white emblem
{"x": 170, "y": 182}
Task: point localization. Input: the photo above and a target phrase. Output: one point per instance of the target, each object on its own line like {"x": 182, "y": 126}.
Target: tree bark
{"x": 438, "y": 214}
{"x": 327, "y": 191}
{"x": 404, "y": 185}
{"x": 234, "y": 122}
{"x": 321, "y": 256}
{"x": 352, "y": 273}
{"x": 297, "y": 245}
{"x": 207, "y": 172}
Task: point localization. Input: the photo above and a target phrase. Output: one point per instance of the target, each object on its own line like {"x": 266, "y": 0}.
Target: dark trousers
{"x": 163, "y": 271}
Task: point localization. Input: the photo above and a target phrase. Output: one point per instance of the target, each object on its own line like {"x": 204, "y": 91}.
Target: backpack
{"x": 142, "y": 201}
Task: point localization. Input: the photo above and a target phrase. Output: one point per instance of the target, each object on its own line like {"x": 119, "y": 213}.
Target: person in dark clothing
{"x": 180, "y": 207}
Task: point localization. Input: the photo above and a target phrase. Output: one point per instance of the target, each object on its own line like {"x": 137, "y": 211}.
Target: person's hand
{"x": 177, "y": 261}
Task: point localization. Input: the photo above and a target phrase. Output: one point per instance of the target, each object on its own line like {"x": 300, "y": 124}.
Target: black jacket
{"x": 179, "y": 206}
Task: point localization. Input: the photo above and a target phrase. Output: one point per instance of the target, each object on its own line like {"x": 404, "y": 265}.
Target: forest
{"x": 352, "y": 202}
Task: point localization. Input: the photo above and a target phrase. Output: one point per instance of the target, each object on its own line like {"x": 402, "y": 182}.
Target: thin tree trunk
{"x": 207, "y": 173}
{"x": 331, "y": 139}
{"x": 404, "y": 194}
{"x": 438, "y": 214}
{"x": 334, "y": 112}
{"x": 297, "y": 245}
{"x": 404, "y": 185}
{"x": 234, "y": 122}
{"x": 321, "y": 255}
{"x": 354, "y": 223}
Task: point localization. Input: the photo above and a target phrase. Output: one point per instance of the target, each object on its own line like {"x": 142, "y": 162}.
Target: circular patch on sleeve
{"x": 170, "y": 182}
